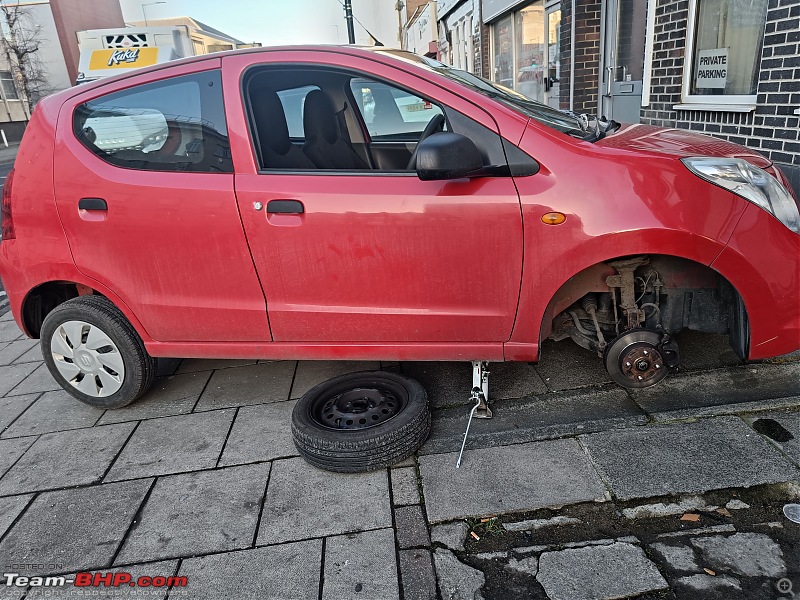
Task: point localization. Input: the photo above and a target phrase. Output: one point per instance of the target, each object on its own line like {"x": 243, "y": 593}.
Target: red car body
{"x": 378, "y": 266}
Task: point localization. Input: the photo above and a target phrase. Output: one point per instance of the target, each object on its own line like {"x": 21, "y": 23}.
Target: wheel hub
{"x": 358, "y": 408}
{"x": 634, "y": 361}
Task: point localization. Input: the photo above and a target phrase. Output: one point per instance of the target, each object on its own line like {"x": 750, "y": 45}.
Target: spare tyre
{"x": 361, "y": 421}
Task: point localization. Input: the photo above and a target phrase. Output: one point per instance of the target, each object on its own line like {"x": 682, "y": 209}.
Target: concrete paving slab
{"x": 694, "y": 457}
{"x": 417, "y": 574}
{"x": 12, "y": 407}
{"x": 532, "y": 476}
{"x": 11, "y": 450}
{"x": 720, "y": 392}
{"x": 542, "y": 417}
{"x": 172, "y": 445}
{"x": 157, "y": 569}
{"x": 509, "y": 380}
{"x": 412, "y": 529}
{"x": 77, "y": 529}
{"x": 34, "y": 353}
{"x": 701, "y": 351}
{"x": 254, "y": 384}
{"x": 40, "y": 380}
{"x": 175, "y": 395}
{"x": 678, "y": 557}
{"x": 748, "y": 554}
{"x": 451, "y": 535}
{"x": 12, "y": 375}
{"x": 9, "y": 331}
{"x": 457, "y": 581}
{"x": 361, "y": 566}
{"x": 260, "y": 433}
{"x": 11, "y": 351}
{"x": 404, "y": 486}
{"x": 287, "y": 571}
{"x": 198, "y": 513}
{"x": 446, "y": 383}
{"x": 10, "y": 509}
{"x": 565, "y": 365}
{"x": 66, "y": 458}
{"x": 312, "y": 372}
{"x": 193, "y": 365}
{"x": 53, "y": 411}
{"x": 790, "y": 421}
{"x": 304, "y": 502}
{"x": 598, "y": 573}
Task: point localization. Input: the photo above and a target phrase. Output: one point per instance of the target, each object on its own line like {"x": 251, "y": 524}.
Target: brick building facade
{"x": 773, "y": 126}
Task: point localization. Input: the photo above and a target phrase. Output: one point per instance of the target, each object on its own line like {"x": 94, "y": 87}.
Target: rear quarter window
{"x": 172, "y": 125}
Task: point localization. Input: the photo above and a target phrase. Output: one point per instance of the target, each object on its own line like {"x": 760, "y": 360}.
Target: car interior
{"x": 319, "y": 119}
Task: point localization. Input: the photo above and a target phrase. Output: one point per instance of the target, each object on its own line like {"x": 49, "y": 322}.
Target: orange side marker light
{"x": 553, "y": 218}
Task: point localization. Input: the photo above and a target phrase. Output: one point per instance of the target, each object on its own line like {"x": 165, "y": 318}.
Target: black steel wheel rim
{"x": 358, "y": 405}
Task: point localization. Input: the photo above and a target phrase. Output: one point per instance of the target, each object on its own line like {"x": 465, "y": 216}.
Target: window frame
{"x": 355, "y": 73}
{"x": 723, "y": 103}
{"x": 13, "y": 81}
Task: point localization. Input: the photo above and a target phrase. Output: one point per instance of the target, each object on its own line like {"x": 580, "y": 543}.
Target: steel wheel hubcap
{"x": 87, "y": 359}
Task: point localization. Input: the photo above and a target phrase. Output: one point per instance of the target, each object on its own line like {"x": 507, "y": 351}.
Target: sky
{"x": 271, "y": 22}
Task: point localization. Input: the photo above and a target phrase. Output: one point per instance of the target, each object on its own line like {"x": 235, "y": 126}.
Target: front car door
{"x": 370, "y": 253}
{"x": 144, "y": 189}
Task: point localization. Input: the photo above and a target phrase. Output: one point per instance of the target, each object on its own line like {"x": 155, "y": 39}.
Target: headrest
{"x": 270, "y": 120}
{"x": 319, "y": 117}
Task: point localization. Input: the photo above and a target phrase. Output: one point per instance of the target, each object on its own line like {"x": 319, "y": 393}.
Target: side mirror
{"x": 448, "y": 155}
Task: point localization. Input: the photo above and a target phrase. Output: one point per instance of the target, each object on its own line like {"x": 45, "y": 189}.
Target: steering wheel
{"x": 435, "y": 125}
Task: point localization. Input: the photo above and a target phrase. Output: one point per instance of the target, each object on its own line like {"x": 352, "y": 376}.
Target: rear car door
{"x": 369, "y": 253}
{"x": 144, "y": 188}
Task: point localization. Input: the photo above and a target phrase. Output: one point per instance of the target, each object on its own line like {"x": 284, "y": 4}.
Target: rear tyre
{"x": 95, "y": 354}
{"x": 361, "y": 422}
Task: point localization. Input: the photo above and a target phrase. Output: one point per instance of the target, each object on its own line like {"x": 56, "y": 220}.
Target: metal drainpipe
{"x": 572, "y": 58}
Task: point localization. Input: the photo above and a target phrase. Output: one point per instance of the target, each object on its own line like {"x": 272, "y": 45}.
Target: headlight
{"x": 749, "y": 182}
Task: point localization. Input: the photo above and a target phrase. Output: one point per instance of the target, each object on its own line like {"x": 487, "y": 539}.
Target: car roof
{"x": 383, "y": 54}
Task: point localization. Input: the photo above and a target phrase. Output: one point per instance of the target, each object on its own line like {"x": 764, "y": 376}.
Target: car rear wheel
{"x": 94, "y": 353}
{"x": 361, "y": 421}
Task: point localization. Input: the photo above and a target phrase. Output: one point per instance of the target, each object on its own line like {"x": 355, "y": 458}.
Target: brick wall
{"x": 587, "y": 54}
{"x": 772, "y": 128}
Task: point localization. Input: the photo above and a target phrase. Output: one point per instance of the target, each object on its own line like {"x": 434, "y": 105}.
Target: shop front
{"x": 525, "y": 47}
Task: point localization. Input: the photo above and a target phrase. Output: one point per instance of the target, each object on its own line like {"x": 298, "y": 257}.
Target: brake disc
{"x": 633, "y": 359}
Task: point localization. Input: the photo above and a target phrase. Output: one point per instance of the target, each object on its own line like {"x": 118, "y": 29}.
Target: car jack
{"x": 480, "y": 396}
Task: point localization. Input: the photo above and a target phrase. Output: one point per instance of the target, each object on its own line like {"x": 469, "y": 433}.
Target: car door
{"x": 144, "y": 189}
{"x": 367, "y": 254}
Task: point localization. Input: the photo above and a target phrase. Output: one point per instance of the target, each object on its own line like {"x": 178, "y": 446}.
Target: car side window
{"x": 390, "y": 113}
{"x": 173, "y": 125}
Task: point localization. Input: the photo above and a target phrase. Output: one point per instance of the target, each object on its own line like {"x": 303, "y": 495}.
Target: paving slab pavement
{"x": 304, "y": 502}
{"x": 658, "y": 460}
{"x": 508, "y": 478}
{"x": 209, "y": 479}
{"x": 71, "y": 530}
{"x": 198, "y": 513}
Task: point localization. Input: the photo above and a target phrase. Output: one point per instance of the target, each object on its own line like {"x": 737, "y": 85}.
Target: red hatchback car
{"x": 344, "y": 203}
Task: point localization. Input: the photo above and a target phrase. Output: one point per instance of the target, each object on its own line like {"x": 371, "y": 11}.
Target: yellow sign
{"x": 127, "y": 58}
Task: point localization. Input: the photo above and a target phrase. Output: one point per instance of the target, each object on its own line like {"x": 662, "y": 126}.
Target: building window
{"x": 526, "y": 51}
{"x": 725, "y": 38}
{"x": 8, "y": 86}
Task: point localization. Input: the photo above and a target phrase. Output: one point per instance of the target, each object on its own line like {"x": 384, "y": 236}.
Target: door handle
{"x": 286, "y": 207}
{"x": 92, "y": 204}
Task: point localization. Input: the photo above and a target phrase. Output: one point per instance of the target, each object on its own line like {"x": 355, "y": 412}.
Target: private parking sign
{"x": 712, "y": 68}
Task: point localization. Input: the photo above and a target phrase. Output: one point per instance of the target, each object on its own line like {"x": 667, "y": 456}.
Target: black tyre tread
{"x": 105, "y": 309}
{"x": 367, "y": 449}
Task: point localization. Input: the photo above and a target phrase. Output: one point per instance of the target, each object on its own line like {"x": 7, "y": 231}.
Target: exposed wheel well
{"x": 673, "y": 293}
{"x": 44, "y": 298}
